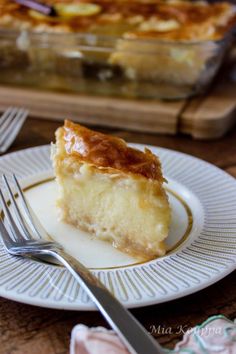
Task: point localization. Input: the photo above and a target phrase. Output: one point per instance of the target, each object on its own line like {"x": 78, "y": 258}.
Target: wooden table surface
{"x": 26, "y": 329}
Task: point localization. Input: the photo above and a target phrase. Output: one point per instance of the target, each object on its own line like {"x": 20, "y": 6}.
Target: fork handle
{"x": 36, "y": 5}
{"x": 131, "y": 332}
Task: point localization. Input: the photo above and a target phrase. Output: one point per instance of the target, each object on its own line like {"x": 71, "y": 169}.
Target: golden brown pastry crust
{"x": 105, "y": 151}
{"x": 195, "y": 20}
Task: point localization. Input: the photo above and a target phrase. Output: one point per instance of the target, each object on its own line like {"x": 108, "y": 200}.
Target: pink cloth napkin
{"x": 97, "y": 340}
{"x": 217, "y": 335}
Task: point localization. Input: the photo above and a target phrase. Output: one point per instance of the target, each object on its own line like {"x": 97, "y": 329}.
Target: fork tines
{"x": 18, "y": 230}
{"x": 10, "y": 124}
{"x": 12, "y": 214}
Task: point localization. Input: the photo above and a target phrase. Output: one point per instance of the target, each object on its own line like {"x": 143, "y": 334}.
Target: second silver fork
{"x": 11, "y": 122}
{"x": 22, "y": 237}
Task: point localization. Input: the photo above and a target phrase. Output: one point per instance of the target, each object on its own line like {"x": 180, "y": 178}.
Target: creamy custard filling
{"x": 116, "y": 209}
{"x": 111, "y": 190}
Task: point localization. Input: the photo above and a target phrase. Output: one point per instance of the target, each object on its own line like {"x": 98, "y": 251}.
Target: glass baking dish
{"x": 108, "y": 65}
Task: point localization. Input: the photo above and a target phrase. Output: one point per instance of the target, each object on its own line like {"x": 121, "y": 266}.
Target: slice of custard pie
{"x": 111, "y": 190}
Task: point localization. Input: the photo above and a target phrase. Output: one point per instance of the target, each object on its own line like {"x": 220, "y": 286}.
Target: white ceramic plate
{"x": 202, "y": 240}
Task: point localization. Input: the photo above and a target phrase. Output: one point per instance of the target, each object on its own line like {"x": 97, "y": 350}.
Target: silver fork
{"x": 21, "y": 235}
{"x": 11, "y": 122}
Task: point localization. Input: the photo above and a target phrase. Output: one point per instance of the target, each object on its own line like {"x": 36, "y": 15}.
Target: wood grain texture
{"x": 26, "y": 329}
{"x": 138, "y": 115}
{"x": 210, "y": 116}
{"x": 206, "y": 117}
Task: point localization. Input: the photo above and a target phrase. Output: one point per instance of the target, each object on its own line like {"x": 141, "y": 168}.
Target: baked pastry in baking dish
{"x": 111, "y": 190}
{"x": 133, "y": 47}
{"x": 169, "y": 20}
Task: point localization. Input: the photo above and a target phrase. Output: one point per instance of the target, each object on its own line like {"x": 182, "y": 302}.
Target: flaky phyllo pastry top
{"x": 111, "y": 190}
{"x": 108, "y": 152}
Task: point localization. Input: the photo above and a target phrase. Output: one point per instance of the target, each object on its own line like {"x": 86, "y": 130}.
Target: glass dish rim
{"x": 42, "y": 36}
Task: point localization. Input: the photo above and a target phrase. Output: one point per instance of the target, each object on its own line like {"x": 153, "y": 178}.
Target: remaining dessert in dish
{"x": 151, "y": 48}
{"x": 111, "y": 190}
{"x": 170, "y": 20}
